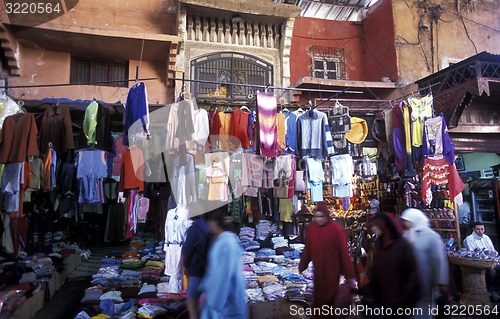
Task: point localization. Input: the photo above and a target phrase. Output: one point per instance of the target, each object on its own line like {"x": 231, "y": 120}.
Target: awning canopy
{"x": 468, "y": 95}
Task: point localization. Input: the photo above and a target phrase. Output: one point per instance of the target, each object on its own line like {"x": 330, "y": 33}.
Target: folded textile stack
{"x": 250, "y": 245}
{"x": 248, "y": 257}
{"x": 255, "y": 294}
{"x": 298, "y": 247}
{"x": 131, "y": 260}
{"x": 43, "y": 268}
{"x": 279, "y": 241}
{"x": 263, "y": 229}
{"x": 274, "y": 291}
{"x": 247, "y": 234}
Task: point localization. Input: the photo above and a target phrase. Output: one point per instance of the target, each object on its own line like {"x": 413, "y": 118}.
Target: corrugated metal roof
{"x": 343, "y": 10}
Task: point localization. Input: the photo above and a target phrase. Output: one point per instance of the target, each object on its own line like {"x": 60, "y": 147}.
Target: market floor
{"x": 65, "y": 304}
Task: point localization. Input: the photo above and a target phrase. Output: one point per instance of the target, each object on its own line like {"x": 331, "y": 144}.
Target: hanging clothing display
{"x": 136, "y": 108}
{"x": 90, "y": 122}
{"x": 398, "y": 137}
{"x": 12, "y": 178}
{"x": 183, "y": 180}
{"x": 91, "y": 170}
{"x": 408, "y": 138}
{"x": 440, "y": 172}
{"x": 291, "y": 132}
{"x": 314, "y": 136}
{"x": 57, "y": 129}
{"x": 267, "y": 110}
{"x": 421, "y": 109}
{"x": 132, "y": 212}
{"x": 133, "y": 165}
{"x": 314, "y": 178}
{"x": 281, "y": 123}
{"x": 176, "y": 226}
{"x": 436, "y": 140}
{"x": 282, "y": 175}
{"x": 217, "y": 180}
{"x": 18, "y": 138}
{"x": 342, "y": 170}
{"x": 180, "y": 127}
{"x": 201, "y": 130}
{"x": 49, "y": 170}
{"x": 239, "y": 127}
{"x": 8, "y": 107}
{"x": 251, "y": 173}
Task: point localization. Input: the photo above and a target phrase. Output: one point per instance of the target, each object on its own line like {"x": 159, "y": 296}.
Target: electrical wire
{"x": 467, "y": 33}
{"x": 72, "y": 84}
{"x": 262, "y": 86}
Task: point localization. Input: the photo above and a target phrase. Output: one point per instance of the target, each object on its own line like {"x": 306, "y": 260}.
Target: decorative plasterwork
{"x": 207, "y": 35}
{"x": 11, "y": 51}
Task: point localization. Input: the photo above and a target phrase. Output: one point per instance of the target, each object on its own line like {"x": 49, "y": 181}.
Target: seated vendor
{"x": 478, "y": 239}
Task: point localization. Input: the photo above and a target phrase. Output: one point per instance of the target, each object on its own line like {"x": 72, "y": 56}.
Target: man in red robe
{"x": 326, "y": 246}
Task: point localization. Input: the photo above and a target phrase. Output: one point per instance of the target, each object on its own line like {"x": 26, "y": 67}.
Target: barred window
{"x": 93, "y": 71}
{"x": 327, "y": 63}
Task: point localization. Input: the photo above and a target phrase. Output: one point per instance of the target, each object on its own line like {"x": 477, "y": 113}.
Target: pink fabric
{"x": 143, "y": 209}
{"x": 267, "y": 112}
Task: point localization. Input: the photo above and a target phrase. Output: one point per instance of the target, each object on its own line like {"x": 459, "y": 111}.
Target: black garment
{"x": 195, "y": 249}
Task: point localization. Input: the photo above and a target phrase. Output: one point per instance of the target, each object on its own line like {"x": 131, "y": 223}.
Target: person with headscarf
{"x": 395, "y": 273}
{"x": 326, "y": 247}
{"x": 431, "y": 257}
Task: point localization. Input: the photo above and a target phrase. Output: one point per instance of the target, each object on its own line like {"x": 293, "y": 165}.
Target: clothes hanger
{"x": 245, "y": 108}
{"x": 228, "y": 109}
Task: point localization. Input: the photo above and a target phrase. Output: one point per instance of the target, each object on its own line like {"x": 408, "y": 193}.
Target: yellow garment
{"x": 406, "y": 119}
{"x": 265, "y": 278}
{"x": 358, "y": 132}
{"x": 90, "y": 122}
{"x": 286, "y": 209}
{"x": 421, "y": 109}
{"x": 101, "y": 316}
{"x": 280, "y": 119}
{"x": 154, "y": 264}
{"x": 225, "y": 131}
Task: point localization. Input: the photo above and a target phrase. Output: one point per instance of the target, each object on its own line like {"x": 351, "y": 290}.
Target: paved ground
{"x": 65, "y": 303}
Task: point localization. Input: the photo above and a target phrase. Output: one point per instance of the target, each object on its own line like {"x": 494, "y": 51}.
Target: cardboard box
{"x": 36, "y": 303}
{"x": 60, "y": 278}
{"x": 70, "y": 263}
{"x": 22, "y": 313}
{"x": 52, "y": 286}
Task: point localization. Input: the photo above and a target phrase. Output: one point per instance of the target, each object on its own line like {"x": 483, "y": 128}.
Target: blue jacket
{"x": 224, "y": 283}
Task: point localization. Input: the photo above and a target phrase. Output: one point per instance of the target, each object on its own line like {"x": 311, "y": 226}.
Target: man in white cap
{"x": 431, "y": 255}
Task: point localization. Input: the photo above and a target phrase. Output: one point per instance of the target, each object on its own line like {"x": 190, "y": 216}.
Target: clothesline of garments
{"x": 420, "y": 141}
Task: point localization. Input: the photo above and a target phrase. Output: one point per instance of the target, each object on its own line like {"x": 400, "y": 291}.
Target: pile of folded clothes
{"x": 132, "y": 285}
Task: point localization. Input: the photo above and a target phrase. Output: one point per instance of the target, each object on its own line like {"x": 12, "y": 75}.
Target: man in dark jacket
{"x": 194, "y": 254}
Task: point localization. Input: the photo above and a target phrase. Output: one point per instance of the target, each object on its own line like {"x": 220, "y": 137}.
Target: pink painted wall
{"x": 309, "y": 32}
{"x": 369, "y": 46}
{"x": 379, "y": 48}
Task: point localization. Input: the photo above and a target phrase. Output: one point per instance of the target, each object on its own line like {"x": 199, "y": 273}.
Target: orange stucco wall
{"x": 41, "y": 67}
{"x": 151, "y": 16}
{"x": 309, "y": 32}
